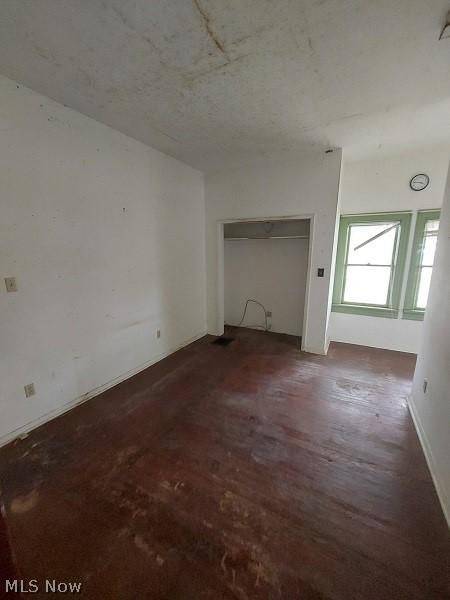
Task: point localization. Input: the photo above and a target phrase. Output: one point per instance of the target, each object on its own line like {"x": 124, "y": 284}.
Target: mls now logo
{"x": 51, "y": 586}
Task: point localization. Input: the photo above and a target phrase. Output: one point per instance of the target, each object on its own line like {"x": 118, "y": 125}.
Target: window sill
{"x": 413, "y": 315}
{"x": 368, "y": 311}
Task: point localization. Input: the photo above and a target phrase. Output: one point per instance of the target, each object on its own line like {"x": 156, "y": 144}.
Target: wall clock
{"x": 419, "y": 182}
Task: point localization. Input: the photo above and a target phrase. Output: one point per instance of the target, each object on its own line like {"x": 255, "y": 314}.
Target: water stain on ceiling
{"x": 214, "y": 82}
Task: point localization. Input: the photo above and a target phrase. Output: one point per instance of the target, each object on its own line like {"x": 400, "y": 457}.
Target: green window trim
{"x": 410, "y": 311}
{"x": 389, "y": 311}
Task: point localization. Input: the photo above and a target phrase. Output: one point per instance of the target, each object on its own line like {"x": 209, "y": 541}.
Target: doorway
{"x": 266, "y": 274}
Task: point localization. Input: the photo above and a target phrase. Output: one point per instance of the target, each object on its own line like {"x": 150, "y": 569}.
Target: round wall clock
{"x": 419, "y": 182}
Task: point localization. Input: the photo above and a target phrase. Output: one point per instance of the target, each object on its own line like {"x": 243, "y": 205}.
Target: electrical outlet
{"x": 268, "y": 313}
{"x": 158, "y": 333}
{"x": 11, "y": 284}
{"x": 425, "y": 385}
{"x": 29, "y": 390}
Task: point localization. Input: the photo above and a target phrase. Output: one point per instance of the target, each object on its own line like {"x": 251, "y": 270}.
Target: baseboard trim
{"x": 444, "y": 498}
{"x": 53, "y": 414}
{"x": 320, "y": 351}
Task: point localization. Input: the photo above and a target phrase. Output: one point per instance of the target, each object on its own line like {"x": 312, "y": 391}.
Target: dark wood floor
{"x": 7, "y": 571}
{"x": 252, "y": 471}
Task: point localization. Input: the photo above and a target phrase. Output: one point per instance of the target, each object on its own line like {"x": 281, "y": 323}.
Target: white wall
{"x": 305, "y": 186}
{"x": 106, "y": 239}
{"x": 271, "y": 271}
{"x": 431, "y": 409}
{"x": 382, "y": 185}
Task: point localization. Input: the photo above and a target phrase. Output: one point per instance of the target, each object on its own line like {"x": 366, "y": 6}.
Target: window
{"x": 370, "y": 262}
{"x": 422, "y": 258}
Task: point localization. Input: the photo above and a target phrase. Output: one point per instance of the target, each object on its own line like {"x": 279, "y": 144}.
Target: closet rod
{"x": 272, "y": 237}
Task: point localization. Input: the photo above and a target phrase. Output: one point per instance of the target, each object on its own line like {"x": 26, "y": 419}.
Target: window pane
{"x": 432, "y": 226}
{"x": 429, "y": 248}
{"x": 424, "y": 287}
{"x": 376, "y": 252}
{"x": 367, "y": 285}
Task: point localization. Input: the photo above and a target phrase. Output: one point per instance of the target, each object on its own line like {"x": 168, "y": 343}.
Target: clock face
{"x": 419, "y": 182}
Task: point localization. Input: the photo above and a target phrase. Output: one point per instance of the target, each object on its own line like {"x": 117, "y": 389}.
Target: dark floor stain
{"x": 223, "y": 341}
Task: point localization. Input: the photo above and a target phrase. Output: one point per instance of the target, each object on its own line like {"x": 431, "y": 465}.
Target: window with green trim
{"x": 370, "y": 262}
{"x": 421, "y": 267}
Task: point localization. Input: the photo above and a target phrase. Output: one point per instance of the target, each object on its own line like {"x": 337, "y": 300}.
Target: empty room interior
{"x": 224, "y": 300}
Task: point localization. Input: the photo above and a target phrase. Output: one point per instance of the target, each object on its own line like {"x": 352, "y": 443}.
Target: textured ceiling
{"x": 218, "y": 82}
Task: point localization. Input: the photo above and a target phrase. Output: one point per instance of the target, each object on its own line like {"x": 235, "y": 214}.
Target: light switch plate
{"x": 11, "y": 284}
{"x": 29, "y": 390}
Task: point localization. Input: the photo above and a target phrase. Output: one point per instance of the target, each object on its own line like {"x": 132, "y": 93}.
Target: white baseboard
{"x": 444, "y": 497}
{"x": 25, "y": 429}
{"x": 322, "y": 351}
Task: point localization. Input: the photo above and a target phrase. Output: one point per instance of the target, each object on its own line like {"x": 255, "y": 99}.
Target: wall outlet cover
{"x": 11, "y": 284}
